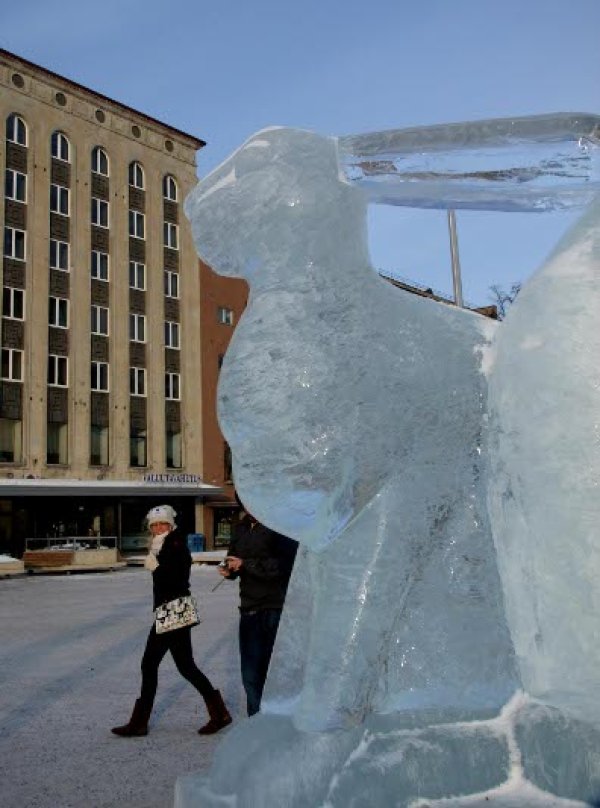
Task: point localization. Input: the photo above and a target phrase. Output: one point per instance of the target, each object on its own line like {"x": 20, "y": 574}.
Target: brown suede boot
{"x": 218, "y": 712}
{"x": 138, "y": 723}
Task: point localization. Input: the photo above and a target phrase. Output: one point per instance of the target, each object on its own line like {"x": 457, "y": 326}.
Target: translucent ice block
{"x": 359, "y": 419}
{"x": 545, "y": 455}
{"x": 354, "y": 411}
{"x": 539, "y": 163}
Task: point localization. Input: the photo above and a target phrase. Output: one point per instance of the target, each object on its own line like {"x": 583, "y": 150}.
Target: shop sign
{"x": 171, "y": 478}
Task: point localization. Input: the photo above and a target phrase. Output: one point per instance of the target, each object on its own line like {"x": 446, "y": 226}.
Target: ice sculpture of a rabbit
{"x": 355, "y": 413}
{"x": 394, "y": 436}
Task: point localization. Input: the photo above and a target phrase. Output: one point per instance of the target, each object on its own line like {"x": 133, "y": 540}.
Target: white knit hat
{"x": 161, "y": 513}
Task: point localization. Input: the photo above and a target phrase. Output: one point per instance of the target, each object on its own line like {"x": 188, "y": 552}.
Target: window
{"x": 227, "y": 464}
{"x": 14, "y": 243}
{"x": 10, "y": 440}
{"x": 98, "y": 445}
{"x": 137, "y": 275}
{"x": 58, "y": 371}
{"x": 57, "y": 436}
{"x": 99, "y": 161}
{"x": 13, "y": 303}
{"x": 171, "y": 284}
{"x": 59, "y": 199}
{"x": 137, "y": 224}
{"x": 136, "y": 176}
{"x": 16, "y": 130}
{"x": 99, "y": 320}
{"x": 137, "y": 381}
{"x": 137, "y": 327}
{"x": 137, "y": 447}
{"x": 99, "y": 212}
{"x": 171, "y": 335}
{"x": 222, "y": 526}
{"x": 170, "y": 188}
{"x": 172, "y": 386}
{"x": 60, "y": 146}
{"x": 99, "y": 380}
{"x": 12, "y": 364}
{"x": 173, "y": 446}
{"x": 225, "y": 316}
{"x": 171, "y": 235}
{"x": 99, "y": 269}
{"x": 15, "y": 185}
{"x": 58, "y": 312}
{"x": 59, "y": 255}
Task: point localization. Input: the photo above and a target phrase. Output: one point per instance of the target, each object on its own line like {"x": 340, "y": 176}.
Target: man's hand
{"x": 234, "y": 563}
{"x": 229, "y": 565}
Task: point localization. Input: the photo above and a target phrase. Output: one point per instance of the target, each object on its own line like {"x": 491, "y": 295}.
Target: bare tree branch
{"x": 503, "y": 299}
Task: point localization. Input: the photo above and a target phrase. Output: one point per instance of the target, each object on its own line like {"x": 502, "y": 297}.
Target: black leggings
{"x": 179, "y": 643}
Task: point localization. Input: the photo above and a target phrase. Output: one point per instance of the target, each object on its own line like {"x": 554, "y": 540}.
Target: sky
{"x": 223, "y": 69}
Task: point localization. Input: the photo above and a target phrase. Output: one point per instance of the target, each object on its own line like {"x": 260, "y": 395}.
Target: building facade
{"x": 112, "y": 333}
{"x": 100, "y": 314}
{"x": 222, "y": 302}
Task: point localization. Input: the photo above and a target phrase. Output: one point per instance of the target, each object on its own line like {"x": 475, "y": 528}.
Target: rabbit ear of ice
{"x": 536, "y": 163}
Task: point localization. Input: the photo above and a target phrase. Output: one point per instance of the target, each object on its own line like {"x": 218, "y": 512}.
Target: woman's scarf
{"x": 154, "y": 549}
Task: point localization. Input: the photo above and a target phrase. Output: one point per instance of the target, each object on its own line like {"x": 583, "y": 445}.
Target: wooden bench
{"x": 48, "y": 558}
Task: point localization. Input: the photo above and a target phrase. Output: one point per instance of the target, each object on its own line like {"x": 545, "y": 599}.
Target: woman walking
{"x": 169, "y": 561}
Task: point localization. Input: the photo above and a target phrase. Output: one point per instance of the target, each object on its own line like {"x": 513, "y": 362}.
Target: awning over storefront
{"x": 153, "y": 485}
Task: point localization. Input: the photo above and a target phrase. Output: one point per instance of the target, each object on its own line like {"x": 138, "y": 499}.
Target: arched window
{"x": 61, "y": 148}
{"x": 99, "y": 161}
{"x": 170, "y": 188}
{"x": 16, "y": 130}
{"x": 136, "y": 175}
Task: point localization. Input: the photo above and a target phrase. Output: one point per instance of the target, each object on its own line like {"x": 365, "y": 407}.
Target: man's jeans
{"x": 258, "y": 630}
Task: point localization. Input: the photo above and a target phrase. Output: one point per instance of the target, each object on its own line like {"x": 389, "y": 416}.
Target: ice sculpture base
{"x": 530, "y": 755}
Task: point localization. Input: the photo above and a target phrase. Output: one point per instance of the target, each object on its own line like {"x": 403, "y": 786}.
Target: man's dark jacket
{"x": 171, "y": 579}
{"x": 268, "y": 558}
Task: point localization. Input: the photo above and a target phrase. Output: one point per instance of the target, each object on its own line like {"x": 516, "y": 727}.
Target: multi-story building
{"x": 100, "y": 400}
{"x": 112, "y": 334}
{"x": 223, "y": 301}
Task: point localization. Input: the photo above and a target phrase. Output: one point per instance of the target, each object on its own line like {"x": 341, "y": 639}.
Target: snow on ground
{"x": 70, "y": 650}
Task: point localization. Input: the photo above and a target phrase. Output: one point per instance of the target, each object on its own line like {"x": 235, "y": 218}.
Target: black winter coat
{"x": 171, "y": 579}
{"x": 268, "y": 560}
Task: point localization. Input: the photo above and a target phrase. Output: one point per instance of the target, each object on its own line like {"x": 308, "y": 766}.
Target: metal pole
{"x": 456, "y": 279}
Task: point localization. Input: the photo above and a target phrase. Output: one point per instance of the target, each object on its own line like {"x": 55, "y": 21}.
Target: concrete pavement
{"x": 70, "y": 649}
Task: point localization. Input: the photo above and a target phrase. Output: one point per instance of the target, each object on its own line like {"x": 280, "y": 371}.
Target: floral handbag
{"x": 177, "y": 613}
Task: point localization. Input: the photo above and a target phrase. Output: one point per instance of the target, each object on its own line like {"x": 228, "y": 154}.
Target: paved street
{"x": 70, "y": 648}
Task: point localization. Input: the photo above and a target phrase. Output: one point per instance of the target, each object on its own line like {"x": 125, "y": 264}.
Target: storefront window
{"x": 223, "y": 520}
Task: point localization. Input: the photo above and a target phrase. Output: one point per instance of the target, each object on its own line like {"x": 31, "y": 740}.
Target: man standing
{"x": 263, "y": 561}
